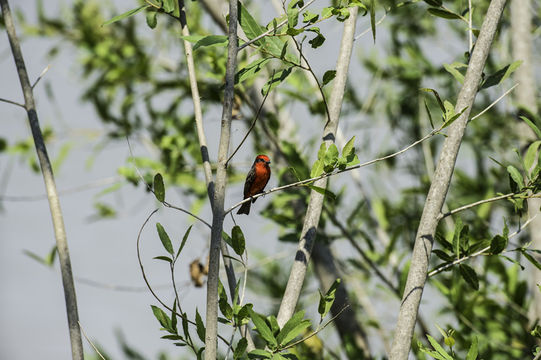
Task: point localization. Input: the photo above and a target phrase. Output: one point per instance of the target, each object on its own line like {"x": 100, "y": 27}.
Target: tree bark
{"x": 438, "y": 189}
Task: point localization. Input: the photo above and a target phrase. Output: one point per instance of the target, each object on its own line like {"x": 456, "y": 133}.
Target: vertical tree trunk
{"x": 521, "y": 30}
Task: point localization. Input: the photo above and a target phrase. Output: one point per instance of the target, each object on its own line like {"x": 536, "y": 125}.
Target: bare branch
{"x": 494, "y": 102}
{"x": 90, "y": 342}
{"x": 12, "y": 102}
{"x": 50, "y": 186}
{"x": 477, "y": 203}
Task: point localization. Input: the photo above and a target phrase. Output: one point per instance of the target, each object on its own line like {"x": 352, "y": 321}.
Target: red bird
{"x": 256, "y": 180}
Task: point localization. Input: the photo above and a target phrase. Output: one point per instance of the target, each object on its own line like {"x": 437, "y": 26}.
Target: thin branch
{"x": 268, "y": 32}
{"x": 251, "y": 125}
{"x": 87, "y": 186}
{"x": 470, "y": 27}
{"x": 12, "y": 102}
{"x": 70, "y": 296}
{"x": 166, "y": 204}
{"x": 90, "y": 342}
{"x": 477, "y": 253}
{"x": 477, "y": 203}
{"x": 418, "y": 270}
{"x": 370, "y": 28}
{"x": 40, "y": 76}
{"x": 494, "y": 102}
{"x": 316, "y": 331}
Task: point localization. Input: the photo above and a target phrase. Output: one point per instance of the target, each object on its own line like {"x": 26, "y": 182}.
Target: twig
{"x": 166, "y": 204}
{"x": 494, "y": 102}
{"x": 251, "y": 125}
{"x": 50, "y": 185}
{"x": 90, "y": 342}
{"x": 480, "y": 252}
{"x": 418, "y": 270}
{"x": 87, "y": 186}
{"x": 480, "y": 202}
{"x": 470, "y": 27}
{"x": 370, "y": 28}
{"x": 12, "y": 102}
{"x": 316, "y": 331}
{"x": 279, "y": 25}
{"x": 40, "y": 76}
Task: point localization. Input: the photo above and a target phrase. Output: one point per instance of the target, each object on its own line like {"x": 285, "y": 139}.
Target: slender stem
{"x": 50, "y": 186}
{"x": 477, "y": 203}
{"x": 12, "y": 103}
{"x": 90, "y": 342}
{"x": 41, "y": 75}
{"x": 251, "y": 125}
{"x": 417, "y": 273}
{"x": 494, "y": 102}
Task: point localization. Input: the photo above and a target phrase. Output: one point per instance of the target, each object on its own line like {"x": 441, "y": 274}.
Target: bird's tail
{"x": 245, "y": 208}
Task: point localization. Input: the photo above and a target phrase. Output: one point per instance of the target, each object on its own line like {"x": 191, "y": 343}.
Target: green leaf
{"x": 439, "y": 349}
{"x": 276, "y": 80}
{"x": 453, "y": 70}
{"x": 263, "y": 329}
{"x": 473, "y": 351}
{"x": 250, "y": 70}
{"x": 372, "y": 6}
{"x": 323, "y": 191}
{"x": 435, "y": 3}
{"x": 446, "y": 14}
{"x": 437, "y": 96}
{"x": 531, "y": 259}
{"x": 227, "y": 239}
{"x": 531, "y": 155}
{"x": 238, "y": 241}
{"x": 349, "y": 149}
{"x": 309, "y": 17}
{"x": 240, "y": 349}
{"x": 516, "y": 176}
{"x": 166, "y": 242}
{"x": 200, "y": 326}
{"x": 292, "y": 17}
{"x": 499, "y": 76}
{"x": 328, "y": 76}
{"x": 322, "y": 150}
{"x": 164, "y": 258}
{"x": 498, "y": 244}
{"x": 159, "y": 188}
{"x": 183, "y": 242}
{"x": 162, "y": 317}
{"x": 469, "y": 275}
{"x": 326, "y": 301}
{"x": 331, "y": 157}
{"x": 532, "y": 126}
{"x": 456, "y": 237}
{"x": 152, "y": 19}
{"x": 210, "y": 40}
{"x": 169, "y": 6}
{"x": 259, "y": 353}
{"x": 317, "y": 169}
{"x": 126, "y": 14}
{"x": 248, "y": 24}
{"x": 292, "y": 328}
